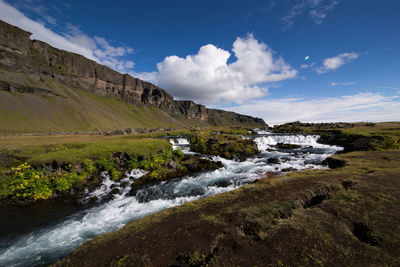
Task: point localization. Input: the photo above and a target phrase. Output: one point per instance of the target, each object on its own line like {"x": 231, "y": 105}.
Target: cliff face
{"x": 20, "y": 54}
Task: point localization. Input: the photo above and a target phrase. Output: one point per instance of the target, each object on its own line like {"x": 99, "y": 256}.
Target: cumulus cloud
{"x": 333, "y": 63}
{"x": 342, "y": 83}
{"x": 353, "y": 108}
{"x": 208, "y": 78}
{"x": 95, "y": 48}
{"x": 317, "y": 10}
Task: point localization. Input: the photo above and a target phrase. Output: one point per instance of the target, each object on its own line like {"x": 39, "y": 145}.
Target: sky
{"x": 281, "y": 60}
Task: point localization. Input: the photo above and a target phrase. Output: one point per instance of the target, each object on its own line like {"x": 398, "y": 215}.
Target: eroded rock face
{"x": 20, "y": 54}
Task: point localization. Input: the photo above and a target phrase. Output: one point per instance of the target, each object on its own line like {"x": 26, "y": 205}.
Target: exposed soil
{"x": 346, "y": 216}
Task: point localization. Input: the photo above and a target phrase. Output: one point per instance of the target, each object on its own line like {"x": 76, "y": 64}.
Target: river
{"x": 42, "y": 234}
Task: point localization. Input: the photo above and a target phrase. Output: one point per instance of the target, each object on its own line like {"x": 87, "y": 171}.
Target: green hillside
{"x": 54, "y": 107}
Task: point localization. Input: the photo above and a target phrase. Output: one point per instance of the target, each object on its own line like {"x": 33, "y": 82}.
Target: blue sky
{"x": 245, "y": 56}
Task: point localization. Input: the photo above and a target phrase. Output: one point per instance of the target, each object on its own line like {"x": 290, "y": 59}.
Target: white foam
{"x": 261, "y": 131}
{"x": 178, "y": 142}
{"x": 108, "y": 184}
{"x": 268, "y": 141}
{"x": 136, "y": 174}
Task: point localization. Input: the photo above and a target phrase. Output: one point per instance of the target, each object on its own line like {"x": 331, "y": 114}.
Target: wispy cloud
{"x": 37, "y": 7}
{"x": 317, "y": 10}
{"x": 96, "y": 48}
{"x": 342, "y": 83}
{"x": 359, "y": 107}
{"x": 333, "y": 63}
{"x": 307, "y": 66}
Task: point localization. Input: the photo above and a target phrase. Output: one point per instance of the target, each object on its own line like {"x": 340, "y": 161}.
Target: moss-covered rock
{"x": 228, "y": 146}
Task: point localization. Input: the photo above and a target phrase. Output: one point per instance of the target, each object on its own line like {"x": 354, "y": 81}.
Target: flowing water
{"x": 52, "y": 241}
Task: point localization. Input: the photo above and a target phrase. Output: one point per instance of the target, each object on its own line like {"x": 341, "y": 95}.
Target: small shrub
{"x": 65, "y": 181}
{"x": 178, "y": 154}
{"x": 116, "y": 175}
{"x": 56, "y": 148}
{"x": 389, "y": 142}
{"x": 133, "y": 163}
{"x": 104, "y": 164}
{"x": 88, "y": 166}
{"x": 27, "y": 183}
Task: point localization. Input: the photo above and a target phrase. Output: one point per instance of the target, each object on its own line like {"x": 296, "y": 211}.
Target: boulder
{"x": 274, "y": 161}
{"x": 334, "y": 163}
{"x": 121, "y": 158}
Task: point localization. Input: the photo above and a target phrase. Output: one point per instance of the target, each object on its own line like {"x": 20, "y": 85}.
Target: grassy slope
{"x": 74, "y": 110}
{"x": 346, "y": 216}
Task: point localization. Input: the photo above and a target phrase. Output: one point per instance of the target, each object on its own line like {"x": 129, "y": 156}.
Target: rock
{"x": 287, "y": 146}
{"x": 334, "y": 163}
{"x": 93, "y": 199}
{"x": 274, "y": 161}
{"x": 121, "y": 158}
{"x": 124, "y": 184}
{"x": 223, "y": 183}
{"x": 172, "y": 165}
{"x": 115, "y": 191}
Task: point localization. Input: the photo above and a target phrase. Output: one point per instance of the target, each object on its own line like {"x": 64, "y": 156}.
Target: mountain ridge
{"x": 19, "y": 54}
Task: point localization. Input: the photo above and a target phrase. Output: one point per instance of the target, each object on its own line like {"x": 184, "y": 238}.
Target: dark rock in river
{"x": 287, "y": 146}
{"x": 274, "y": 161}
{"x": 223, "y": 183}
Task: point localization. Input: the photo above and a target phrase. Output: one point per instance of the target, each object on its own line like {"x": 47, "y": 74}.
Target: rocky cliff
{"x": 20, "y": 54}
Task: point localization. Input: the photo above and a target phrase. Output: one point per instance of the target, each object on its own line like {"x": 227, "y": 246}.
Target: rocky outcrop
{"x": 20, "y": 54}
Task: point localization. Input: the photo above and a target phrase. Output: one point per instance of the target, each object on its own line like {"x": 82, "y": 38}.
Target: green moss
{"x": 197, "y": 259}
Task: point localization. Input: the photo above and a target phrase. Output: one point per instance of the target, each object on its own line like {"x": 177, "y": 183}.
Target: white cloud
{"x": 307, "y": 66}
{"x": 352, "y": 108}
{"x": 317, "y": 10}
{"x": 146, "y": 76}
{"x": 342, "y": 83}
{"x": 332, "y": 63}
{"x": 207, "y": 77}
{"x": 75, "y": 40}
{"x": 36, "y": 6}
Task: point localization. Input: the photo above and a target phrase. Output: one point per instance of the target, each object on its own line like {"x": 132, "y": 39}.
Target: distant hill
{"x": 47, "y": 89}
